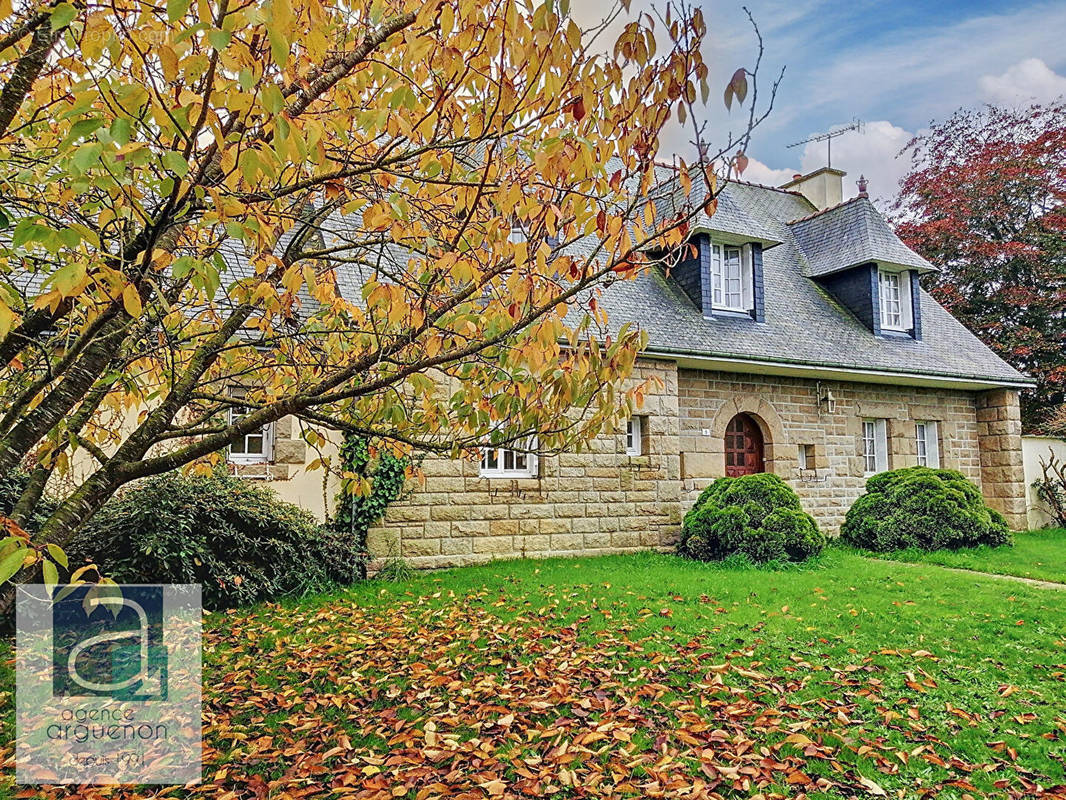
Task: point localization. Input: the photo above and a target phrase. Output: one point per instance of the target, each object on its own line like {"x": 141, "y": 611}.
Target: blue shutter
{"x": 758, "y": 293}
{"x": 705, "y": 274}
{"x": 916, "y": 304}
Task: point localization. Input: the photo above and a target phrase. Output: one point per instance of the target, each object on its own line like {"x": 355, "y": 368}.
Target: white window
{"x": 874, "y": 445}
{"x": 506, "y": 462}
{"x": 517, "y": 234}
{"x": 634, "y": 434}
{"x": 731, "y": 278}
{"x": 252, "y": 448}
{"x": 894, "y": 291}
{"x": 925, "y": 435}
{"x": 806, "y": 456}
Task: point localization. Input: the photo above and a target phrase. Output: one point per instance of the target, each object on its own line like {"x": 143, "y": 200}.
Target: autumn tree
{"x": 390, "y": 218}
{"x": 986, "y": 201}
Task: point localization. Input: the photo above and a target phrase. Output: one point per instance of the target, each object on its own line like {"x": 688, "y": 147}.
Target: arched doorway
{"x": 743, "y": 447}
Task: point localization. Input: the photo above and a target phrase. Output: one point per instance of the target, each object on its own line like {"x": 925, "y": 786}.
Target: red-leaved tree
{"x": 986, "y": 200}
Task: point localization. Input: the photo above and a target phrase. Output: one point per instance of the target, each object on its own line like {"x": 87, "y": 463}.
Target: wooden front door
{"x": 743, "y": 447}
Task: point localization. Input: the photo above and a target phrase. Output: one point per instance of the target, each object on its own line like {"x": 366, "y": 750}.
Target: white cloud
{"x": 872, "y": 153}
{"x": 1022, "y": 83}
{"x": 758, "y": 172}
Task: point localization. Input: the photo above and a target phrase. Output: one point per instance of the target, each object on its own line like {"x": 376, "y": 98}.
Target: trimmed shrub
{"x": 757, "y": 515}
{"x": 932, "y": 509}
{"x": 235, "y": 538}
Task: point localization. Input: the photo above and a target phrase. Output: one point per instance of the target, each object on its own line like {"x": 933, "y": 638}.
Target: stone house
{"x": 797, "y": 340}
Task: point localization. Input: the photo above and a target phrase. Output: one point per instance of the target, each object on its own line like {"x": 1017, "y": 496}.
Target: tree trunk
{"x": 22, "y": 438}
{"x": 31, "y": 495}
{"x": 29, "y": 67}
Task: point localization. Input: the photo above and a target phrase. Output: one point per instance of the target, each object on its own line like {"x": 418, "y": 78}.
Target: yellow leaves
{"x": 447, "y": 20}
{"x": 7, "y": 319}
{"x": 521, "y": 254}
{"x": 279, "y": 27}
{"x": 168, "y": 60}
{"x": 98, "y": 32}
{"x": 292, "y": 279}
{"x": 131, "y": 300}
{"x": 71, "y": 279}
{"x": 377, "y": 217}
{"x": 685, "y": 180}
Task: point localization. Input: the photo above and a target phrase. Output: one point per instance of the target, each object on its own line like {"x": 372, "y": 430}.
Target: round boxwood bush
{"x": 234, "y": 537}
{"x": 931, "y": 509}
{"x": 757, "y": 515}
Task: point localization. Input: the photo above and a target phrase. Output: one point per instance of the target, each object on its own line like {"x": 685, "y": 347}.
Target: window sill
{"x": 889, "y": 333}
{"x": 728, "y": 313}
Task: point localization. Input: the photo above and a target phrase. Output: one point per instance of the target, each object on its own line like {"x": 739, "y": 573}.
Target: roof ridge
{"x": 766, "y": 186}
{"x": 827, "y": 210}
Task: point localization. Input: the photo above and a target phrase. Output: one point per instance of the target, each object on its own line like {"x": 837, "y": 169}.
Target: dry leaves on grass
{"x": 426, "y": 702}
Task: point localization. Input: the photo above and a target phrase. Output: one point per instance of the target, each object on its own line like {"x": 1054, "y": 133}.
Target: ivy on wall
{"x": 356, "y": 513}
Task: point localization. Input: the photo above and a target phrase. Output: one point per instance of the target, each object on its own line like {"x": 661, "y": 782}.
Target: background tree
{"x": 986, "y": 200}
{"x": 389, "y": 218}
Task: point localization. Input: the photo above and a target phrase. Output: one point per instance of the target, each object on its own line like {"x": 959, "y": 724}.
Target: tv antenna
{"x": 856, "y": 125}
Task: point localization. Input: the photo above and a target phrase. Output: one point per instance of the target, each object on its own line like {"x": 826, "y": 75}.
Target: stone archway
{"x": 767, "y": 419}
{"x": 743, "y": 447}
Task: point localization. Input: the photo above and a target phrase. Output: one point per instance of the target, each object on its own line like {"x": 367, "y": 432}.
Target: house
{"x": 795, "y": 339}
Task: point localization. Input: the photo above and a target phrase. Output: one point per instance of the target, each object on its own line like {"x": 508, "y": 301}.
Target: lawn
{"x": 1035, "y": 554}
{"x": 641, "y": 676}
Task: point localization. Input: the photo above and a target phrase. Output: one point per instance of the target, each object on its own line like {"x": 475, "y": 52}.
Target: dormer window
{"x": 731, "y": 278}
{"x": 894, "y": 291}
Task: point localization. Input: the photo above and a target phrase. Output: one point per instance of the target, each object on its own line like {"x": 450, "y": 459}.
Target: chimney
{"x": 824, "y": 187}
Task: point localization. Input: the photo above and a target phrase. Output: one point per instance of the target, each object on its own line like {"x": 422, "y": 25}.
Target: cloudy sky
{"x": 896, "y": 66}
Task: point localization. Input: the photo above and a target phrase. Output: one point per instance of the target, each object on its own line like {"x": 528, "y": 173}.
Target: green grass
{"x": 896, "y": 668}
{"x": 1036, "y": 554}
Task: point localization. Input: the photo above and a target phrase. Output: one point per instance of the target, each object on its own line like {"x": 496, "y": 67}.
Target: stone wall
{"x": 603, "y": 501}
{"x": 597, "y": 501}
{"x": 790, "y": 415}
{"x": 999, "y": 425}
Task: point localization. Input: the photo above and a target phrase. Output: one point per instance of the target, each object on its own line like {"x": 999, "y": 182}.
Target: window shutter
{"x": 747, "y": 282}
{"x": 882, "y": 445}
{"x": 716, "y": 274}
{"x": 759, "y": 302}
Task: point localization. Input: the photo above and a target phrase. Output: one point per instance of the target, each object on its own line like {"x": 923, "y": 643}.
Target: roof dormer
{"x": 852, "y": 251}
{"x": 722, "y": 275}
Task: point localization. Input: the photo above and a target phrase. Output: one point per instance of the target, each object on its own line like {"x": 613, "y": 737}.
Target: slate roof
{"x": 732, "y": 216}
{"x": 804, "y": 324}
{"x": 850, "y": 234}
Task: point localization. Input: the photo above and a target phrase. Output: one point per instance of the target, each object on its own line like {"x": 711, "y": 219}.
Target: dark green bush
{"x": 12, "y": 486}
{"x": 234, "y": 537}
{"x": 757, "y": 515}
{"x": 932, "y": 509}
